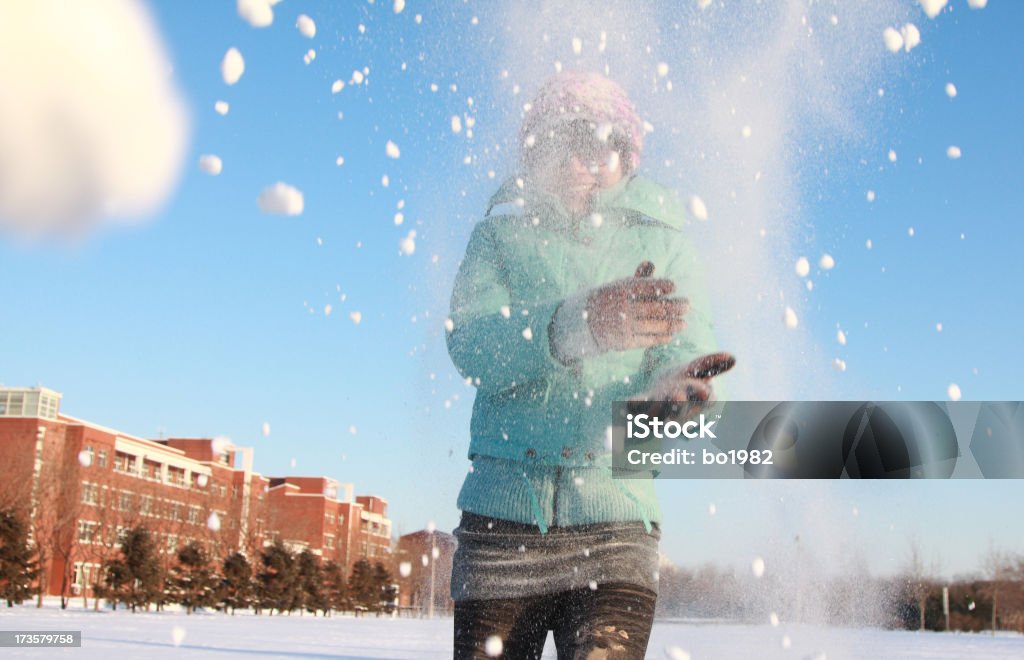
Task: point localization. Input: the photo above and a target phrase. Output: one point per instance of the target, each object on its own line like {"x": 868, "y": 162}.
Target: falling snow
{"x": 697, "y": 208}
{"x": 210, "y": 164}
{"x": 281, "y": 199}
{"x": 306, "y": 26}
{"x": 232, "y": 66}
{"x": 790, "y": 318}
{"x": 932, "y": 7}
{"x": 257, "y": 13}
{"x": 408, "y": 244}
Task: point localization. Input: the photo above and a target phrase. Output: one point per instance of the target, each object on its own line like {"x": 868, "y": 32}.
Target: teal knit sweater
{"x": 540, "y": 431}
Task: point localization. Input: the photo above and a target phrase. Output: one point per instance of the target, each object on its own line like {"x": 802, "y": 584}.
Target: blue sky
{"x": 209, "y": 318}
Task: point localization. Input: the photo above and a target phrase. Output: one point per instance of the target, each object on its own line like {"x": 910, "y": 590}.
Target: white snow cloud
{"x": 802, "y": 267}
{"x": 210, "y": 164}
{"x": 950, "y": 90}
{"x": 95, "y": 134}
{"x": 953, "y": 152}
{"x": 977, "y": 4}
{"x": 827, "y": 262}
{"x": 398, "y": 7}
{"x": 306, "y": 26}
{"x": 221, "y": 107}
{"x": 391, "y": 149}
{"x": 232, "y": 66}
{"x": 281, "y": 199}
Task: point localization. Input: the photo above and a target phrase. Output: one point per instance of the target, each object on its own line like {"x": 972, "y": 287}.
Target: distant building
{"x": 81, "y": 485}
{"x": 321, "y": 515}
{"x": 426, "y": 559}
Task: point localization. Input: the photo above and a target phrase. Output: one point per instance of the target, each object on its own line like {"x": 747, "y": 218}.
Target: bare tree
{"x": 919, "y": 578}
{"x": 999, "y": 567}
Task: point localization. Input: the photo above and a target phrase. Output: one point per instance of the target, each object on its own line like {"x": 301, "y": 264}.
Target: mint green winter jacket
{"x": 540, "y": 431}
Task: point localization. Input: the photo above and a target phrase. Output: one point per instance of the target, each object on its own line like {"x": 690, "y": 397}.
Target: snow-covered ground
{"x": 173, "y": 634}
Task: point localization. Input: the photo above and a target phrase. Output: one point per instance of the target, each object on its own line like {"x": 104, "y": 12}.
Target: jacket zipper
{"x": 554, "y": 505}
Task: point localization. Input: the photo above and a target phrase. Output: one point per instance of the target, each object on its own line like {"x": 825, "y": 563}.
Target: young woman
{"x": 578, "y": 288}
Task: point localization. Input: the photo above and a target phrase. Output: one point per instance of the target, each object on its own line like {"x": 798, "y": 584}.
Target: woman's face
{"x": 584, "y": 178}
{"x": 576, "y": 168}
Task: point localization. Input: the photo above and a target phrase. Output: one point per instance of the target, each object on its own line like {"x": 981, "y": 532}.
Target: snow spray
{"x": 747, "y": 106}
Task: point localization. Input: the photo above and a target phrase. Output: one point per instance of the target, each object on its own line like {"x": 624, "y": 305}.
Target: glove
{"x": 684, "y": 393}
{"x": 635, "y": 312}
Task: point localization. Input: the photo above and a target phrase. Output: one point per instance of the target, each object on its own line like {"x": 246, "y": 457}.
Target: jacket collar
{"x": 634, "y": 194}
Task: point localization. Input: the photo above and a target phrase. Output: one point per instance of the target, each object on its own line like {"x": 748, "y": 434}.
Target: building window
{"x": 89, "y": 456}
{"x": 48, "y": 407}
{"x": 193, "y": 514}
{"x": 146, "y": 505}
{"x": 330, "y": 518}
{"x": 125, "y": 501}
{"x": 89, "y": 493}
{"x": 125, "y": 463}
{"x": 172, "y": 542}
{"x": 86, "y": 528}
{"x": 101, "y": 458}
{"x": 15, "y": 404}
{"x": 176, "y": 511}
{"x": 234, "y": 492}
{"x": 329, "y": 541}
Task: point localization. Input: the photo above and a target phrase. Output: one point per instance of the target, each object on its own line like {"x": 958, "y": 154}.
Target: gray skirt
{"x": 501, "y": 559}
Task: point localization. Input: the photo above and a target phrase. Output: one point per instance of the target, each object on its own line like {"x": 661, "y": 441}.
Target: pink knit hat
{"x": 583, "y": 95}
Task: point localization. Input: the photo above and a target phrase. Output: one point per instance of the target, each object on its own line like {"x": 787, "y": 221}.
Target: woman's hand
{"x": 685, "y": 392}
{"x": 635, "y": 312}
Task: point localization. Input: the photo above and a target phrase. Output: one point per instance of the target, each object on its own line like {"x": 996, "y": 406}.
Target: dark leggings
{"x": 613, "y": 621}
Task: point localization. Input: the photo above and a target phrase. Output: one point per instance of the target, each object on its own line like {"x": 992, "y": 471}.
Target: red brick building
{"x": 424, "y": 561}
{"x": 319, "y": 514}
{"x": 81, "y": 484}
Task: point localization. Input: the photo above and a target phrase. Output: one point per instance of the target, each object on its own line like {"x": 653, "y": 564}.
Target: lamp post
{"x": 433, "y": 561}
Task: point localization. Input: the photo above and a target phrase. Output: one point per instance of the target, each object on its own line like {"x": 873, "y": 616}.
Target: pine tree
{"x": 193, "y": 580}
{"x": 310, "y": 577}
{"x": 335, "y": 586}
{"x": 387, "y": 592}
{"x": 116, "y": 581}
{"x": 140, "y": 559}
{"x": 236, "y": 587}
{"x": 17, "y": 568}
{"x": 278, "y": 578}
{"x": 363, "y": 589}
